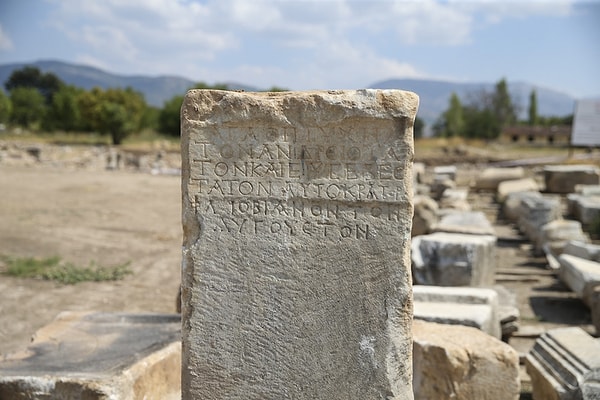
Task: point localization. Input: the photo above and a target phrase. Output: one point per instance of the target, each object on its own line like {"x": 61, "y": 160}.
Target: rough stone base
{"x": 459, "y": 362}
{"x": 98, "y": 356}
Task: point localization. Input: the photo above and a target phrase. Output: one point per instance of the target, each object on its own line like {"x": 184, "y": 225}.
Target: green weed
{"x": 54, "y": 269}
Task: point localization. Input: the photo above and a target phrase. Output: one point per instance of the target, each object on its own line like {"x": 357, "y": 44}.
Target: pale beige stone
{"x": 459, "y": 362}
{"x": 425, "y": 215}
{"x": 297, "y": 211}
{"x": 564, "y": 178}
{"x": 505, "y": 188}
{"x": 491, "y": 177}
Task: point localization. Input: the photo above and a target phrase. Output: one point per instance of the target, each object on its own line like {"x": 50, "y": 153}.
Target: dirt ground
{"x": 112, "y": 217}
{"x": 108, "y": 217}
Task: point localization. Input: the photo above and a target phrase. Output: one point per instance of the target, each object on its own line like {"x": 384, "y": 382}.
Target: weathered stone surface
{"x": 588, "y": 190}
{"x": 490, "y": 178}
{"x": 448, "y": 170}
{"x": 580, "y": 275}
{"x": 425, "y": 215}
{"x": 297, "y": 211}
{"x": 585, "y": 208}
{"x": 508, "y": 312}
{"x": 564, "y": 364}
{"x": 564, "y": 178}
{"x": 98, "y": 356}
{"x": 594, "y": 296}
{"x": 476, "y": 307}
{"x": 515, "y": 186}
{"x": 453, "y": 259}
{"x": 440, "y": 184}
{"x": 455, "y": 199}
{"x": 580, "y": 249}
{"x": 556, "y": 234}
{"x": 512, "y": 204}
{"x": 418, "y": 173}
{"x": 471, "y": 222}
{"x": 459, "y": 362}
{"x": 535, "y": 212}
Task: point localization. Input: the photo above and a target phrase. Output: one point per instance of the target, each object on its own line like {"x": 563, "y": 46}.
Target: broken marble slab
{"x": 476, "y": 307}
{"x": 98, "y": 356}
{"x": 564, "y": 364}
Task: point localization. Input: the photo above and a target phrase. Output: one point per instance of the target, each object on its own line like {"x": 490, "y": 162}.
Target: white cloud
{"x": 333, "y": 43}
{"x": 138, "y": 32}
{"x": 5, "y": 42}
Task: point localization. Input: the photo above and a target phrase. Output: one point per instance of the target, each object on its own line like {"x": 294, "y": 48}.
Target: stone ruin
{"x": 297, "y": 269}
{"x": 297, "y": 219}
{"x": 555, "y": 213}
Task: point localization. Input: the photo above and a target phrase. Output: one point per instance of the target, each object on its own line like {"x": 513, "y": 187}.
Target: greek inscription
{"x": 285, "y": 181}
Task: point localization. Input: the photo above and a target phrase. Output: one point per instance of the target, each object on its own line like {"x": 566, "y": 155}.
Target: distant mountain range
{"x": 434, "y": 95}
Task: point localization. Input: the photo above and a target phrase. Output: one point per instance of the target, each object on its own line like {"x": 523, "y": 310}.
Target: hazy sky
{"x": 311, "y": 44}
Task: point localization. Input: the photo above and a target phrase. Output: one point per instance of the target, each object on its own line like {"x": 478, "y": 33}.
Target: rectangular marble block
{"x": 98, "y": 356}
{"x": 297, "y": 210}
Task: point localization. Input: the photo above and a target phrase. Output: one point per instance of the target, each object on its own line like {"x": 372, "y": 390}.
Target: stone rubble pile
{"x": 158, "y": 160}
{"x": 452, "y": 247}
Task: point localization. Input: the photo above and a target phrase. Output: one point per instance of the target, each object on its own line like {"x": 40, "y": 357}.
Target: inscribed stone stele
{"x": 297, "y": 210}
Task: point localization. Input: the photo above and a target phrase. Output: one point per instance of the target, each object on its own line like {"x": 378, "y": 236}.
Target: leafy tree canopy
{"x": 27, "y": 106}
{"x": 47, "y": 84}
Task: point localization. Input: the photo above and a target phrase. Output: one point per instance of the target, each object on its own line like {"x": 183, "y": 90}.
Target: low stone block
{"x": 512, "y": 204}
{"x": 459, "y": 362}
{"x": 588, "y": 190}
{"x": 425, "y": 215}
{"x": 534, "y": 212}
{"x": 564, "y": 178}
{"x": 564, "y": 364}
{"x": 490, "y": 178}
{"x": 98, "y": 356}
{"x": 448, "y": 170}
{"x": 455, "y": 199}
{"x": 515, "y": 186}
{"x": 508, "y": 312}
{"x": 585, "y": 208}
{"x": 556, "y": 234}
{"x": 584, "y": 250}
{"x": 580, "y": 275}
{"x": 476, "y": 307}
{"x": 471, "y": 222}
{"x": 453, "y": 259}
{"x": 440, "y": 184}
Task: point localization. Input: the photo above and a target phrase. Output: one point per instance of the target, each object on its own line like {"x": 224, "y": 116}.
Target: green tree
{"x": 503, "y": 108}
{"x": 116, "y": 112}
{"x": 47, "y": 84}
{"x": 5, "y": 107}
{"x": 121, "y": 113}
{"x": 27, "y": 106}
{"x": 87, "y": 102}
{"x": 63, "y": 112}
{"x": 217, "y": 86}
{"x": 480, "y": 123}
{"x": 169, "y": 119}
{"x": 533, "y": 113}
{"x": 453, "y": 117}
{"x": 277, "y": 89}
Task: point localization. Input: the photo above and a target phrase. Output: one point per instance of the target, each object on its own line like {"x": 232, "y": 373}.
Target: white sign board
{"x": 586, "y": 123}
